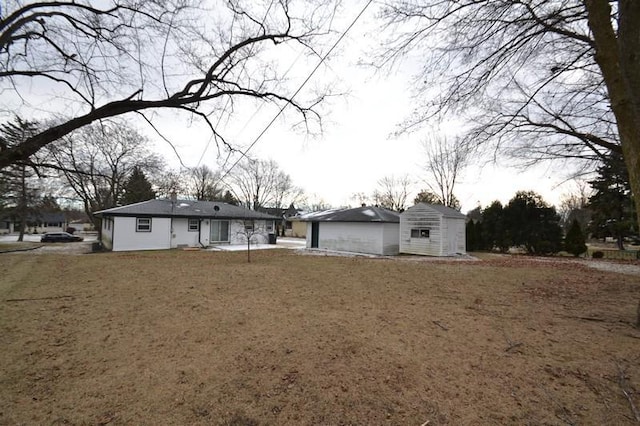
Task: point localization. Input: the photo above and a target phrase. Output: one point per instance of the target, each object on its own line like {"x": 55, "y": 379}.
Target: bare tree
{"x": 542, "y": 79}
{"x": 444, "y": 162}
{"x": 117, "y": 57}
{"x": 261, "y": 183}
{"x": 285, "y": 192}
{"x": 392, "y": 192}
{"x": 170, "y": 182}
{"x": 249, "y": 231}
{"x": 574, "y": 205}
{"x": 96, "y": 162}
{"x": 205, "y": 184}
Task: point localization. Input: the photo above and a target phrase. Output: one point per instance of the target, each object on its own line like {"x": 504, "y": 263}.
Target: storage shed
{"x": 432, "y": 230}
{"x": 371, "y": 230}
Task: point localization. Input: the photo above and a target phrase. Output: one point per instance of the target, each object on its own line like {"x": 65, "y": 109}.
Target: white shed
{"x": 432, "y": 230}
{"x": 371, "y": 230}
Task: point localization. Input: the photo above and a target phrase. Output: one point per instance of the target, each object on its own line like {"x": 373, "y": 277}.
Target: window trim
{"x": 138, "y": 229}
{"x": 197, "y": 225}
{"x": 422, "y": 233}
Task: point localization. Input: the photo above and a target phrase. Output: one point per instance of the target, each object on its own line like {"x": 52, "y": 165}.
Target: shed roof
{"x": 358, "y": 214}
{"x": 185, "y": 208}
{"x": 443, "y": 210}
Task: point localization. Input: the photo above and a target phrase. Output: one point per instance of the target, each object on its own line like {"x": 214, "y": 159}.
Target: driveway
{"x": 67, "y": 248}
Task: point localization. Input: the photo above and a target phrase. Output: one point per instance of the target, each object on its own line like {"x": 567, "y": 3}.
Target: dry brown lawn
{"x": 205, "y": 338}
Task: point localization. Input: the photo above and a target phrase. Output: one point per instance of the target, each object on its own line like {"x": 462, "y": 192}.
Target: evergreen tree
{"x": 20, "y": 192}
{"x": 471, "y": 236}
{"x": 574, "y": 242}
{"x": 533, "y": 224}
{"x": 612, "y": 206}
{"x": 137, "y": 188}
{"x": 229, "y": 198}
{"x": 494, "y": 230}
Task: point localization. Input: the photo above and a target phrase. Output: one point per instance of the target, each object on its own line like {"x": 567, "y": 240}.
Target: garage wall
{"x": 351, "y": 236}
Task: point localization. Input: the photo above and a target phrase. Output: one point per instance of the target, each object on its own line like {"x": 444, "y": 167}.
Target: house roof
{"x": 282, "y": 212}
{"x": 185, "y": 208}
{"x": 358, "y": 214}
{"x": 443, "y": 210}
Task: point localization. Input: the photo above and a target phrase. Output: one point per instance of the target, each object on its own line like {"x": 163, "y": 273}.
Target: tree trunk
{"x": 618, "y": 58}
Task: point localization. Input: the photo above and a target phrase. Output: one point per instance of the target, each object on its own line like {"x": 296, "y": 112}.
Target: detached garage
{"x": 371, "y": 230}
{"x": 432, "y": 230}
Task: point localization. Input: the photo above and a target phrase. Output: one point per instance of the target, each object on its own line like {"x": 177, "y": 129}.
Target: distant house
{"x": 297, "y": 227}
{"x": 285, "y": 224}
{"x": 432, "y": 230}
{"x": 371, "y": 230}
{"x": 37, "y": 223}
{"x": 165, "y": 224}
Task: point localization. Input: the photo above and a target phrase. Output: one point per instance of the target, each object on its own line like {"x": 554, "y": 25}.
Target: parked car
{"x": 59, "y": 237}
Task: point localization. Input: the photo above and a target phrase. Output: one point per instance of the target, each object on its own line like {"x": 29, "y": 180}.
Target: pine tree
{"x": 612, "y": 206}
{"x": 533, "y": 224}
{"x": 471, "y": 236}
{"x": 20, "y": 192}
{"x": 574, "y": 242}
{"x": 137, "y": 188}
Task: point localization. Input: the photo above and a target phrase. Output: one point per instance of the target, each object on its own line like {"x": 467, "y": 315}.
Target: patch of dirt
{"x": 202, "y": 337}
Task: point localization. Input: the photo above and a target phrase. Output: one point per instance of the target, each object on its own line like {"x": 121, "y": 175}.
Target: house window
{"x": 194, "y": 225}
{"x": 269, "y": 226}
{"x": 143, "y": 224}
{"x": 248, "y": 227}
{"x": 419, "y": 233}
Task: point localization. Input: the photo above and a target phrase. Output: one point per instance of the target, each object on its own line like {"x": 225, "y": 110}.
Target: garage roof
{"x": 358, "y": 214}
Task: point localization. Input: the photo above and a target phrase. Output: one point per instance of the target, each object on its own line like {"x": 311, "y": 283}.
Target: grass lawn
{"x": 179, "y": 337}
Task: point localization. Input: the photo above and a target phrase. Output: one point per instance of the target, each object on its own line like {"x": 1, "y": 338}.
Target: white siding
{"x": 180, "y": 234}
{"x": 446, "y": 234}
{"x": 125, "y": 236}
{"x": 390, "y": 239}
{"x": 421, "y": 216}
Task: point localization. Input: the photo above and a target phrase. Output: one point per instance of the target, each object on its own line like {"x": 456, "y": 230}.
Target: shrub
{"x": 574, "y": 242}
{"x": 71, "y": 229}
{"x": 597, "y": 255}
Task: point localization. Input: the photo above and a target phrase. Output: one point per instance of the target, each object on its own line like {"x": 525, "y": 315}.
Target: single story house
{"x": 432, "y": 230}
{"x": 165, "y": 223}
{"x": 372, "y": 230}
{"x": 298, "y": 227}
{"x": 284, "y": 227}
{"x": 37, "y": 223}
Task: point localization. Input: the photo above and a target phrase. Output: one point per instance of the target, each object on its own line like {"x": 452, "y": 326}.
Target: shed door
{"x": 315, "y": 231}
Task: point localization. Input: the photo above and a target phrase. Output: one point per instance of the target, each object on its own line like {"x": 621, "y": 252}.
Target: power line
{"x": 226, "y": 105}
{"x": 244, "y": 154}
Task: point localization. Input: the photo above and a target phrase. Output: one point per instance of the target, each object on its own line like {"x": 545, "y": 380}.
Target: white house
{"x": 432, "y": 230}
{"x": 372, "y": 230}
{"x": 165, "y": 224}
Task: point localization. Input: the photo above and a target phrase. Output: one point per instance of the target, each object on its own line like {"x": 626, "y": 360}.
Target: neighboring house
{"x": 165, "y": 224}
{"x": 38, "y": 223}
{"x": 432, "y": 230}
{"x": 298, "y": 227}
{"x": 284, "y": 226}
{"x": 372, "y": 230}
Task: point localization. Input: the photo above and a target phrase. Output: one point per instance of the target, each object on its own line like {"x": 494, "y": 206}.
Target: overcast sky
{"x": 356, "y": 147}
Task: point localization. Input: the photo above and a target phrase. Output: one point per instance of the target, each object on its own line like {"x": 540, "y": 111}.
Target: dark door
{"x": 315, "y": 230}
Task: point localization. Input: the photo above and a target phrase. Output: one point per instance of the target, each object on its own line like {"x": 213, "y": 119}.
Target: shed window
{"x": 419, "y": 233}
{"x": 194, "y": 225}
{"x": 143, "y": 224}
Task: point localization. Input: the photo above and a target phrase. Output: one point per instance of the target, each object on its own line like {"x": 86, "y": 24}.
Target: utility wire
{"x": 244, "y": 154}
{"x": 226, "y": 105}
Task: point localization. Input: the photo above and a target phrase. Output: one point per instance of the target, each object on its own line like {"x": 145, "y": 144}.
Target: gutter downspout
{"x": 200, "y": 233}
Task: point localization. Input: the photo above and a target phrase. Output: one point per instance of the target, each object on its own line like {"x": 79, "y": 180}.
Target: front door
{"x": 219, "y": 231}
{"x": 315, "y": 231}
